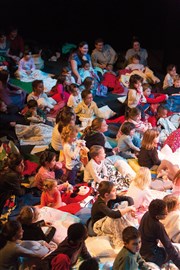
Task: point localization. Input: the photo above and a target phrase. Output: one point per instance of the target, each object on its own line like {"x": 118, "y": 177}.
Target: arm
{"x": 94, "y": 173}
{"x": 57, "y": 200}
{"x": 109, "y": 212}
{"x": 142, "y": 263}
{"x": 154, "y": 157}
{"x": 84, "y": 252}
{"x": 157, "y": 98}
{"x": 69, "y": 152}
{"x": 74, "y": 68}
{"x": 129, "y": 142}
{"x": 113, "y": 55}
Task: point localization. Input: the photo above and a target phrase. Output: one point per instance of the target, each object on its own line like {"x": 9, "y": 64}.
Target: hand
{"x": 167, "y": 97}
{"x": 115, "y": 150}
{"x": 48, "y": 224}
{"x": 79, "y": 80}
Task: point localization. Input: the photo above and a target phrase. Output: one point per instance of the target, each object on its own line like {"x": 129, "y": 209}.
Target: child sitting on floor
{"x": 66, "y": 71}
{"x": 44, "y": 102}
{"x": 75, "y": 96}
{"x": 129, "y": 256}
{"x": 126, "y": 147}
{"x": 60, "y": 92}
{"x": 175, "y": 88}
{"x": 96, "y": 170}
{"x": 169, "y": 78}
{"x": 33, "y": 113}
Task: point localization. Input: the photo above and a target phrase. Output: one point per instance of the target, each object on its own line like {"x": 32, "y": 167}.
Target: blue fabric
{"x": 173, "y": 103}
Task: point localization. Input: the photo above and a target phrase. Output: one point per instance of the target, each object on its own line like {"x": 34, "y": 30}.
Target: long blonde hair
{"x": 68, "y": 132}
{"x": 148, "y": 138}
{"x": 143, "y": 178}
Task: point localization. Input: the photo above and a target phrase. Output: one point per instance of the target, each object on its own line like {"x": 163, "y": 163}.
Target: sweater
{"x": 82, "y": 110}
{"x": 148, "y": 158}
{"x": 151, "y": 231}
{"x": 127, "y": 260}
{"x": 94, "y": 171}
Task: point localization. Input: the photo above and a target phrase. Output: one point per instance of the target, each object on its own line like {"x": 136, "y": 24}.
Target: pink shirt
{"x": 42, "y": 175}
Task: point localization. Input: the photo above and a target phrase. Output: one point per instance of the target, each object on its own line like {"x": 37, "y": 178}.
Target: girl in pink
{"x": 51, "y": 195}
{"x": 50, "y": 168}
{"x": 60, "y": 91}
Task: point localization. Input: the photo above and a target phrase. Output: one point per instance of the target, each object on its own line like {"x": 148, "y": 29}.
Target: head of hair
{"x": 85, "y": 62}
{"x": 85, "y": 93}
{"x": 146, "y": 86}
{"x": 176, "y": 177}
{"x": 156, "y": 207}
{"x": 170, "y": 67}
{"x": 4, "y": 74}
{"x": 135, "y": 56}
{"x": 12, "y": 28}
{"x": 32, "y": 104}
{"x": 142, "y": 178}
{"x": 76, "y": 232}
{"x": 148, "y": 138}
{"x": 72, "y": 87}
{"x": 65, "y": 69}
{"x": 27, "y": 52}
{"x": 89, "y": 264}
{"x": 130, "y": 233}
{"x": 26, "y": 215}
{"x": 135, "y": 39}
{"x": 46, "y": 156}
{"x": 160, "y": 109}
{"x": 68, "y": 132}
{"x": 105, "y": 187}
{"x": 35, "y": 84}
{"x": 99, "y": 40}
{"x": 87, "y": 83}
{"x": 95, "y": 126}
{"x": 48, "y": 184}
{"x": 82, "y": 43}
{"x": 61, "y": 79}
{"x": 65, "y": 112}
{"x": 127, "y": 127}
{"x": 94, "y": 150}
{"x": 135, "y": 78}
{"x": 171, "y": 202}
{"x": 176, "y": 78}
{"x": 9, "y": 230}
{"x": 133, "y": 112}
{"x": 13, "y": 160}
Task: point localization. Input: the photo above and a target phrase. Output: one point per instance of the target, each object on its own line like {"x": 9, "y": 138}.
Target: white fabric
{"x": 94, "y": 171}
{"x": 56, "y": 139}
{"x": 172, "y": 225}
{"x": 167, "y": 154}
{"x": 106, "y": 112}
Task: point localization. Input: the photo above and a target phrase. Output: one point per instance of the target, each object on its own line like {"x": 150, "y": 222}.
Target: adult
{"x": 11, "y": 179}
{"x": 9, "y": 93}
{"x": 16, "y": 44}
{"x": 136, "y": 49}
{"x": 103, "y": 54}
{"x": 77, "y": 58}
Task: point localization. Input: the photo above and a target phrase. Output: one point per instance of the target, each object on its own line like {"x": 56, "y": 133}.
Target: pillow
{"x": 106, "y": 112}
{"x": 99, "y": 250}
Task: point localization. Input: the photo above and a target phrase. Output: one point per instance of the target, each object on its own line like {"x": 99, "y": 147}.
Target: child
{"x": 60, "y": 92}
{"x": 71, "y": 151}
{"x": 152, "y": 99}
{"x": 68, "y": 251}
{"x": 125, "y": 141}
{"x": 148, "y": 155}
{"x": 139, "y": 190}
{"x": 105, "y": 219}
{"x": 162, "y": 112}
{"x": 169, "y": 78}
{"x": 28, "y": 217}
{"x": 44, "y": 102}
{"x": 33, "y": 113}
{"x": 49, "y": 168}
{"x": 172, "y": 220}
{"x": 51, "y": 195}
{"x": 66, "y": 71}
{"x": 88, "y": 71}
{"x": 152, "y": 230}
{"x": 175, "y": 88}
{"x": 137, "y": 68}
{"x": 129, "y": 256}
{"x": 75, "y": 96}
{"x": 87, "y": 108}
{"x": 135, "y": 94}
{"x": 96, "y": 170}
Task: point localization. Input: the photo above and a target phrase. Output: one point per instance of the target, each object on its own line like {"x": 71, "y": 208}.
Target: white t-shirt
{"x": 56, "y": 139}
{"x": 94, "y": 171}
{"x": 73, "y": 101}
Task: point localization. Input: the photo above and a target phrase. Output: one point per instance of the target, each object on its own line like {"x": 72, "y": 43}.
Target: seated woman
{"x": 11, "y": 248}
{"x": 76, "y": 59}
{"x": 9, "y": 93}
{"x": 32, "y": 228}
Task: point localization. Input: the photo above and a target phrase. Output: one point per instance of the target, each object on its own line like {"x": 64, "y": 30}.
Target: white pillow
{"x": 99, "y": 246}
{"x": 106, "y": 112}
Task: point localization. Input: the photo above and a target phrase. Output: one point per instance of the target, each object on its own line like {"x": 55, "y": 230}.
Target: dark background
{"x": 156, "y": 23}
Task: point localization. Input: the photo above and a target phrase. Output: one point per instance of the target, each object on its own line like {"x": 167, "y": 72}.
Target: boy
{"x": 152, "y": 231}
{"x": 129, "y": 257}
{"x": 96, "y": 169}
{"x": 69, "y": 250}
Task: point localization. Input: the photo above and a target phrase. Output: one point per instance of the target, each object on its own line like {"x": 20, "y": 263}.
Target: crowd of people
{"x": 128, "y": 206}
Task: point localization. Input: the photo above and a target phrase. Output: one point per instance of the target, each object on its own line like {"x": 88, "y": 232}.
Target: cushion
{"x": 135, "y": 165}
{"x": 106, "y": 112}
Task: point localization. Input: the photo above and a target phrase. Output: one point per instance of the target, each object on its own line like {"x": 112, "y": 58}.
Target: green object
{"x": 67, "y": 47}
{"x": 27, "y": 86}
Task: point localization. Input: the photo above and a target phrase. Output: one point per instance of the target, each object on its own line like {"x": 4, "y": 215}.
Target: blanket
{"x": 38, "y": 134}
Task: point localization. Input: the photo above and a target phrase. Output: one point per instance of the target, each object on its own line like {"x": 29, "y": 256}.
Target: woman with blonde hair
{"x": 140, "y": 191}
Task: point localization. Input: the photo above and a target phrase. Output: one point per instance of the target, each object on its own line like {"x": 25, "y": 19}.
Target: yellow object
{"x": 135, "y": 165}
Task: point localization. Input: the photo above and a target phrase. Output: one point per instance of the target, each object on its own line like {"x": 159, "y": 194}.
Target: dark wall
{"x": 156, "y": 23}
